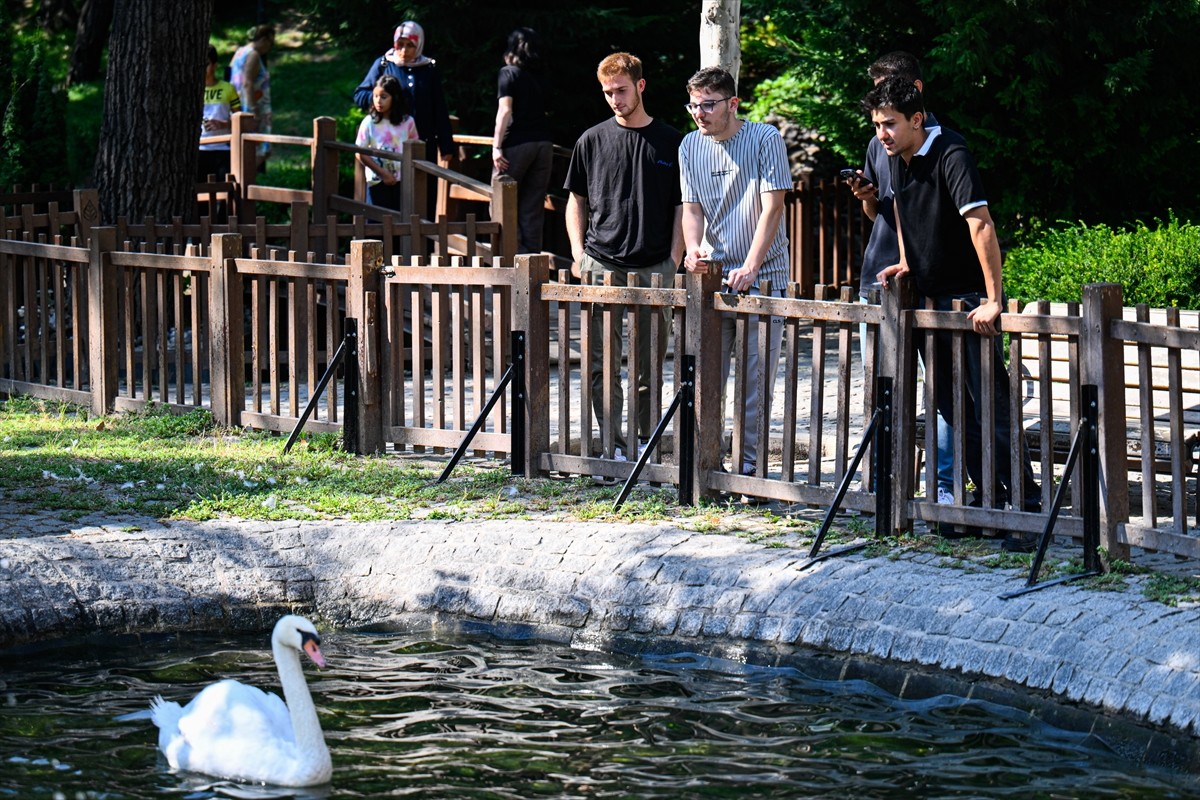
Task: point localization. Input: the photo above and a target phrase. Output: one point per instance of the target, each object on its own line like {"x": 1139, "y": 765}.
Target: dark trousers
{"x": 530, "y": 165}
{"x": 976, "y": 383}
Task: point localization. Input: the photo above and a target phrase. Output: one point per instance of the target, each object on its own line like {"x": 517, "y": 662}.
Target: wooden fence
{"x": 116, "y": 327}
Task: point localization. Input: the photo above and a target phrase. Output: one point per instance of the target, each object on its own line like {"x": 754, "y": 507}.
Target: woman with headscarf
{"x": 419, "y": 76}
{"x": 522, "y": 147}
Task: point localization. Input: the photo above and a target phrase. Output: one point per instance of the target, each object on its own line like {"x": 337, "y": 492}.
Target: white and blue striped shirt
{"x": 727, "y": 179}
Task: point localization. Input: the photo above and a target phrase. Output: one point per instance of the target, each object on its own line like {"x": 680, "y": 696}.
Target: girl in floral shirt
{"x": 387, "y": 127}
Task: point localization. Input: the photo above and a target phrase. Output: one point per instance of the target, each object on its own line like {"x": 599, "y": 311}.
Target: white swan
{"x": 231, "y": 730}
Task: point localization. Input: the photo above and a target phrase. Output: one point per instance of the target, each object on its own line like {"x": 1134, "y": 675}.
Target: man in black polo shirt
{"x": 949, "y": 244}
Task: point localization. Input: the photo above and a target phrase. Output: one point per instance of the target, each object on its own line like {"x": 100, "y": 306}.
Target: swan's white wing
{"x": 233, "y": 709}
{"x": 231, "y": 730}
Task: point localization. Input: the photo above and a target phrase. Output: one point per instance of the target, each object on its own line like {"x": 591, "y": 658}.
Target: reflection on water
{"x": 407, "y": 716}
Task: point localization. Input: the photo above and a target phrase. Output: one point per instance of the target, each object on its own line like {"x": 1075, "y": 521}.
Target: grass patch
{"x": 1172, "y": 589}
{"x": 57, "y": 457}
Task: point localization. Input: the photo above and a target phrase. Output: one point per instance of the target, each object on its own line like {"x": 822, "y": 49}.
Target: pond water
{"x": 418, "y": 716}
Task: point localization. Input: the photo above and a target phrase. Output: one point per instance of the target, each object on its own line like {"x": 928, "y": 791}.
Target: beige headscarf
{"x": 415, "y": 33}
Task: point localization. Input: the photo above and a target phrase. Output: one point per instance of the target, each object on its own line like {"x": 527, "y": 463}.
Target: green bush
{"x": 1158, "y": 265}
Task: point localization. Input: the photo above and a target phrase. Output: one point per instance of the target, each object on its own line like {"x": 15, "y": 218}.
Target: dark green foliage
{"x": 34, "y": 116}
{"x": 1076, "y": 110}
{"x": 1159, "y": 266}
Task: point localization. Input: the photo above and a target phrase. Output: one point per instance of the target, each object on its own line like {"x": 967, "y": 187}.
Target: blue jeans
{"x": 997, "y": 383}
{"x": 945, "y": 434}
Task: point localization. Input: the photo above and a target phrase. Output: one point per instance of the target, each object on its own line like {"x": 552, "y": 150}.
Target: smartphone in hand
{"x": 851, "y": 174}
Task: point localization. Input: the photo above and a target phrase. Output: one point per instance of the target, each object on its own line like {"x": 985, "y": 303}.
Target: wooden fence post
{"x": 227, "y": 357}
{"x": 362, "y": 304}
{"x": 504, "y": 211}
{"x": 531, "y": 315}
{"x": 897, "y": 360}
{"x": 1104, "y": 365}
{"x": 102, "y": 321}
{"x": 420, "y": 186}
{"x": 87, "y": 214}
{"x": 243, "y": 162}
{"x": 703, "y": 340}
{"x": 324, "y": 165}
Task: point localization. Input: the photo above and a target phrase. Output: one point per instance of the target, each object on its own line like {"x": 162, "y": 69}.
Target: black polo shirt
{"x": 935, "y": 189}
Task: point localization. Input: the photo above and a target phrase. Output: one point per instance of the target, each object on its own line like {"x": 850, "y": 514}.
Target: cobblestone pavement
{"x": 603, "y": 585}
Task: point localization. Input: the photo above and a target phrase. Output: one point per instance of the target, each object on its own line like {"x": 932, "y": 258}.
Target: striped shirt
{"x": 727, "y": 179}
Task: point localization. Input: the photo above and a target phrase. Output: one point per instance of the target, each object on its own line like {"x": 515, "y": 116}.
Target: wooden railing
{"x": 117, "y": 326}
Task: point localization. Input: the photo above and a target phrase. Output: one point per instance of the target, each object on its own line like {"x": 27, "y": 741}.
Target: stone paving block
{"x": 975, "y": 659}
{"x": 760, "y": 603}
{"x": 769, "y": 628}
{"x": 815, "y": 633}
{"x": 481, "y": 603}
{"x": 880, "y": 643}
{"x": 690, "y": 623}
{"x": 1186, "y": 717}
{"x": 955, "y": 653}
{"x": 571, "y": 612}
{"x": 671, "y": 570}
{"x": 996, "y": 664}
{"x": 618, "y": 618}
{"x": 715, "y": 624}
{"x": 930, "y": 651}
{"x": 840, "y": 638}
{"x": 729, "y": 601}
{"x": 1041, "y": 672}
{"x": 743, "y": 626}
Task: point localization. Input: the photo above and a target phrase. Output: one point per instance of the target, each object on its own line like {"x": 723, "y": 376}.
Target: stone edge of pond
{"x": 1122, "y": 662}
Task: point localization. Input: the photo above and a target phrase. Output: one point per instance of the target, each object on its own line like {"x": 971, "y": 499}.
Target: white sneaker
{"x": 945, "y": 497}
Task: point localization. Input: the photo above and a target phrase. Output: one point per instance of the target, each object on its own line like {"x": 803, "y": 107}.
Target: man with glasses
{"x": 623, "y": 219}
{"x": 734, "y": 177}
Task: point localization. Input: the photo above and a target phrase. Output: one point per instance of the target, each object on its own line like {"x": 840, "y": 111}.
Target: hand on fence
{"x": 984, "y": 317}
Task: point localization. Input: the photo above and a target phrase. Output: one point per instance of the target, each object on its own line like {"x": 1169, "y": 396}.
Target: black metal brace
{"x": 347, "y": 349}
{"x": 515, "y": 375}
{"x": 1083, "y": 448}
{"x": 685, "y": 399}
{"x": 880, "y": 429}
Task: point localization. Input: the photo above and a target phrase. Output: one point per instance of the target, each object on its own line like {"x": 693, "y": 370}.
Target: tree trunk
{"x": 153, "y": 96}
{"x": 91, "y": 34}
{"x": 719, "y": 43}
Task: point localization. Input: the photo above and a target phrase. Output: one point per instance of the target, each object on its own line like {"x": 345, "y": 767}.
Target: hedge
{"x": 1159, "y": 265}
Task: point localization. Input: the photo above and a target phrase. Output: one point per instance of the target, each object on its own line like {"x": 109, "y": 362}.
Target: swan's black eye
{"x": 306, "y": 637}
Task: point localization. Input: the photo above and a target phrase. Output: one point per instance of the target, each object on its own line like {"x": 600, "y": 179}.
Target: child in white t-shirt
{"x": 387, "y": 127}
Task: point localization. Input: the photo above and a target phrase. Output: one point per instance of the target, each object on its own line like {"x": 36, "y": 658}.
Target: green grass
{"x": 57, "y": 457}
{"x": 1172, "y": 589}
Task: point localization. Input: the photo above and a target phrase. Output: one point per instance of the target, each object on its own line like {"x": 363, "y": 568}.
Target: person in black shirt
{"x": 522, "y": 147}
{"x": 623, "y": 217}
{"x": 949, "y": 244}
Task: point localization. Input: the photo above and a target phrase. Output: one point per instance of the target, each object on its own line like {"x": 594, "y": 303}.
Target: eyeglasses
{"x": 708, "y": 106}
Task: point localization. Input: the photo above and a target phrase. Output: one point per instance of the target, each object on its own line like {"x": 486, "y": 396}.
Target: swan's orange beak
{"x": 314, "y": 652}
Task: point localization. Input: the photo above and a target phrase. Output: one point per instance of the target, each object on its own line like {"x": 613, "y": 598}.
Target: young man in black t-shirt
{"x": 949, "y": 243}
{"x": 623, "y": 218}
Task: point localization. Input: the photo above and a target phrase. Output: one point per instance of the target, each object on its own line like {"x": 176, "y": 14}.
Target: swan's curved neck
{"x": 306, "y": 727}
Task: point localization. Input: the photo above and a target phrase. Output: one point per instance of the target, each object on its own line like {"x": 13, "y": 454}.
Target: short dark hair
{"x": 713, "y": 79}
{"x": 524, "y": 48}
{"x": 896, "y": 64}
{"x": 212, "y": 54}
{"x": 898, "y": 93}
